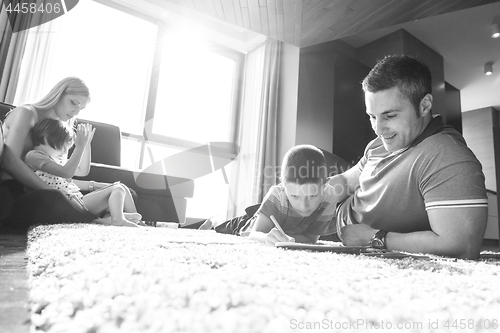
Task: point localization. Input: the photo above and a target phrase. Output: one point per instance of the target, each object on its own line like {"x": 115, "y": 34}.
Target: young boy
{"x": 51, "y": 140}
{"x": 303, "y": 204}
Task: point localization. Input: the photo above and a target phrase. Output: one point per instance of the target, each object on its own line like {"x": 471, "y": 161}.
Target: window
{"x": 113, "y": 55}
{"x": 194, "y": 100}
{"x": 166, "y": 87}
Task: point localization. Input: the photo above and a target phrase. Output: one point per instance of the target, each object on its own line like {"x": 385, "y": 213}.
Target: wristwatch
{"x": 378, "y": 240}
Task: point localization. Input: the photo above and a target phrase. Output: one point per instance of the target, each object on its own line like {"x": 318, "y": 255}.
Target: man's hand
{"x": 357, "y": 234}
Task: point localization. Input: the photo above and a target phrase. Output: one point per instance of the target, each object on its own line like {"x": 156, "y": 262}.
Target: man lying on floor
{"x": 418, "y": 188}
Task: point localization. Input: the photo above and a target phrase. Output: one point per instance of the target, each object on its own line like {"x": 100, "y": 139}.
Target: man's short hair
{"x": 304, "y": 164}
{"x": 411, "y": 76}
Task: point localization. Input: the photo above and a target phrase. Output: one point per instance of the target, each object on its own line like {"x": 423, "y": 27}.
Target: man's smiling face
{"x": 394, "y": 119}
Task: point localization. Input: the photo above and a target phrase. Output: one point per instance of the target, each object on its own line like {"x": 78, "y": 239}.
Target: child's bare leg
{"x": 129, "y": 208}
{"x": 133, "y": 217}
{"x": 113, "y": 198}
{"x": 116, "y": 204}
{"x": 129, "y": 204}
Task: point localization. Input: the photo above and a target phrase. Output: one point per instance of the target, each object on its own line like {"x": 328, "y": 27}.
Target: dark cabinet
{"x": 331, "y": 101}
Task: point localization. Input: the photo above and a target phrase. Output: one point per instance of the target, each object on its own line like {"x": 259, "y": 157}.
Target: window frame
{"x": 149, "y": 112}
{"x": 149, "y": 135}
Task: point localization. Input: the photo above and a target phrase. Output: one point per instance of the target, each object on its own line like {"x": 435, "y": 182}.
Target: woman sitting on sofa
{"x": 65, "y": 101}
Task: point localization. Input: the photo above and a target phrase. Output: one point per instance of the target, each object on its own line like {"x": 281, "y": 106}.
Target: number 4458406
{"x": 471, "y": 324}
{"x": 33, "y": 8}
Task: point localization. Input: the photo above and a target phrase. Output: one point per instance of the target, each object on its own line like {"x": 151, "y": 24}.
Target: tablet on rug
{"x": 339, "y": 248}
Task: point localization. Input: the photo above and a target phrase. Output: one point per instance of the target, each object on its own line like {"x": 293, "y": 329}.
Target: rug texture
{"x": 93, "y": 278}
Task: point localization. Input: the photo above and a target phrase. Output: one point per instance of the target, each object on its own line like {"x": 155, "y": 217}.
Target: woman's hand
{"x": 84, "y": 135}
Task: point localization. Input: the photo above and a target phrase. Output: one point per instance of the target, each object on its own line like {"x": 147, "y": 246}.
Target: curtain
{"x": 255, "y": 169}
{"x": 36, "y": 63}
{"x": 24, "y": 56}
{"x": 12, "y": 46}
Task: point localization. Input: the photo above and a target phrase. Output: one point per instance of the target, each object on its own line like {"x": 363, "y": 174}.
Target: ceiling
{"x": 463, "y": 39}
{"x": 457, "y": 29}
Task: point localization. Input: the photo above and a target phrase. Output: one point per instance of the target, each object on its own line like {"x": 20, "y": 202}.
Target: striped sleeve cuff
{"x": 457, "y": 204}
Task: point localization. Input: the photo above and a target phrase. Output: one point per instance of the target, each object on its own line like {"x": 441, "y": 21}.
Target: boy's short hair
{"x": 52, "y": 132}
{"x": 304, "y": 164}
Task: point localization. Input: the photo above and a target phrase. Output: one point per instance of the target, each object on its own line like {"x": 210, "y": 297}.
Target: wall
{"x": 315, "y": 99}
{"x": 478, "y": 131}
{"x": 331, "y": 111}
{"x": 403, "y": 43}
{"x": 288, "y": 99}
{"x": 352, "y": 128}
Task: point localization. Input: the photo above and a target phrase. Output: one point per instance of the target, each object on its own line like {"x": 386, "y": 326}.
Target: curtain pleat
{"x": 12, "y": 48}
{"x": 267, "y": 170}
{"x": 256, "y": 170}
{"x": 36, "y": 63}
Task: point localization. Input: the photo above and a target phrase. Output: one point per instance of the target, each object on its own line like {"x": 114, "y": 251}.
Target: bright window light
{"x": 113, "y": 55}
{"x": 194, "y": 97}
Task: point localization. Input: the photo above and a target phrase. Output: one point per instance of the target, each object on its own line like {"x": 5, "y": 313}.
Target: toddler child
{"x": 51, "y": 140}
{"x": 303, "y": 204}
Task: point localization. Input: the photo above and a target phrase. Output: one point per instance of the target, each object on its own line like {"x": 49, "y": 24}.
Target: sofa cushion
{"x": 106, "y": 144}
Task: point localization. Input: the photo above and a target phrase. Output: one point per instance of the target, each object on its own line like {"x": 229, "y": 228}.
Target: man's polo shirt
{"x": 437, "y": 171}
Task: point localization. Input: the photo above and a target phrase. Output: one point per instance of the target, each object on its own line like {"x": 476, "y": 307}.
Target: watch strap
{"x": 378, "y": 240}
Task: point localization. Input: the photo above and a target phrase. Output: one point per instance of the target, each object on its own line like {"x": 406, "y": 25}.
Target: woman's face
{"x": 69, "y": 106}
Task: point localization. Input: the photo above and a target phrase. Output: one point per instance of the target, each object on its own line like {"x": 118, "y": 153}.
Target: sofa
{"x": 158, "y": 197}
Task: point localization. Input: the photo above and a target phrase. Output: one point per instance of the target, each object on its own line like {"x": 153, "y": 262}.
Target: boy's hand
{"x": 275, "y": 236}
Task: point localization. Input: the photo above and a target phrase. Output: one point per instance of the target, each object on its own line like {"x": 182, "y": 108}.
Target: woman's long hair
{"x": 69, "y": 85}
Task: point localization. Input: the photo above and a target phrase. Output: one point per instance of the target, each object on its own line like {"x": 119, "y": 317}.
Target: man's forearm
{"x": 430, "y": 242}
{"x": 455, "y": 233}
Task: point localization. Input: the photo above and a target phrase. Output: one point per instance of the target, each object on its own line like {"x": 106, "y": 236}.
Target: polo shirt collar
{"x": 435, "y": 126}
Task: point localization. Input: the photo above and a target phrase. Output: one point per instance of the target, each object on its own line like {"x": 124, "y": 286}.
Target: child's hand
{"x": 275, "y": 236}
{"x": 84, "y": 135}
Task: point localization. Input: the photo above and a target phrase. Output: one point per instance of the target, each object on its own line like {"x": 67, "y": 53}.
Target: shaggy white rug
{"x": 93, "y": 278}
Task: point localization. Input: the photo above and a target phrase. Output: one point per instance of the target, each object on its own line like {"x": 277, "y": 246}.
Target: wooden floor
{"x": 14, "y": 292}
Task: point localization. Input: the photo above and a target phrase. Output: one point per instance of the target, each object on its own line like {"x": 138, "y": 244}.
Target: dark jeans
{"x": 19, "y": 209}
{"x": 235, "y": 225}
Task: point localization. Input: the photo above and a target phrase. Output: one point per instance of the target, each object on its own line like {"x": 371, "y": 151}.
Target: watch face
{"x": 377, "y": 243}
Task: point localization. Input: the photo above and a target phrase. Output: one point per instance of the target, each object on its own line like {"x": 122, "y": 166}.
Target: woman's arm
{"x": 50, "y": 166}
{"x": 19, "y": 124}
{"x": 90, "y": 185}
{"x": 83, "y": 168}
